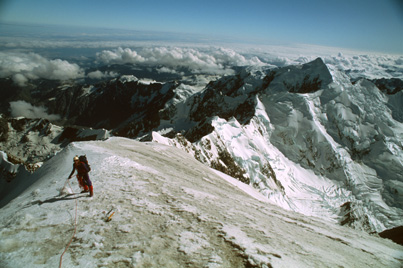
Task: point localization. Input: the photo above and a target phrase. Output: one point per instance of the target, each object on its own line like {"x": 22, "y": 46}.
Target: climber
{"x": 82, "y": 175}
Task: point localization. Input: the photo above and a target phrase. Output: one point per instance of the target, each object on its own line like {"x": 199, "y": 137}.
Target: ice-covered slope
{"x": 170, "y": 211}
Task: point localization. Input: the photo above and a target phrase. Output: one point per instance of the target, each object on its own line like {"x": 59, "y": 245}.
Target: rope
{"x": 75, "y": 228}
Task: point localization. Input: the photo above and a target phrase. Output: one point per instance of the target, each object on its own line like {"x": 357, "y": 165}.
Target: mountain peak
{"x": 306, "y": 78}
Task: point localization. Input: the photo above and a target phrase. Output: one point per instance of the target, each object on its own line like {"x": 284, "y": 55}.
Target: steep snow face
{"x": 307, "y": 138}
{"x": 169, "y": 211}
{"x": 347, "y": 134}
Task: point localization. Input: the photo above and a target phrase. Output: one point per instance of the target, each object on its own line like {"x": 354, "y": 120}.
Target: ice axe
{"x": 108, "y": 216}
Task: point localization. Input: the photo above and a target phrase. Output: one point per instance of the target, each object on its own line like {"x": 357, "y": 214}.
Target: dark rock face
{"x": 220, "y": 98}
{"x": 227, "y": 165}
{"x": 308, "y": 85}
{"x": 127, "y": 107}
{"x": 351, "y": 214}
{"x": 389, "y": 86}
{"x": 394, "y": 234}
{"x": 3, "y": 130}
{"x": 202, "y": 129}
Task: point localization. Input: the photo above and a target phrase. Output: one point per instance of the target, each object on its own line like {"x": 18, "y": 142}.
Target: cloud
{"x": 219, "y": 60}
{"x": 168, "y": 70}
{"x": 20, "y": 79}
{"x": 25, "y": 109}
{"x": 30, "y": 66}
{"x": 119, "y": 56}
{"x": 368, "y": 66}
{"x": 207, "y": 60}
{"x": 355, "y": 63}
{"x": 100, "y": 75}
{"x": 176, "y": 58}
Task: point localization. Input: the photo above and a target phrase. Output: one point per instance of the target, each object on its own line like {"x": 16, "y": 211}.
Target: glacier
{"x": 306, "y": 136}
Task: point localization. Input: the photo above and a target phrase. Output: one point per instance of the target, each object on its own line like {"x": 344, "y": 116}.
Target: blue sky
{"x": 375, "y": 25}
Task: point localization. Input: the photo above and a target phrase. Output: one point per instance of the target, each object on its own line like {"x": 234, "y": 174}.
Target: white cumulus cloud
{"x": 210, "y": 60}
{"x": 119, "y": 56}
{"x": 25, "y": 109}
{"x": 369, "y": 66}
{"x": 26, "y": 66}
{"x": 99, "y": 75}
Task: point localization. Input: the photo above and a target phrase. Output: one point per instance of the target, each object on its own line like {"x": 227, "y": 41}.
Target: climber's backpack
{"x": 83, "y": 158}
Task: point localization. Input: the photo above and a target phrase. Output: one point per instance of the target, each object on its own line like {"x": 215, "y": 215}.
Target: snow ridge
{"x": 170, "y": 211}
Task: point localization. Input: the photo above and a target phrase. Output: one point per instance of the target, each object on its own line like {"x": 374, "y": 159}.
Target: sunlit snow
{"x": 169, "y": 211}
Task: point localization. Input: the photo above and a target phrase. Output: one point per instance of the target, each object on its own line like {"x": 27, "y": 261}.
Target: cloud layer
{"x": 25, "y": 109}
{"x": 210, "y": 61}
{"x": 213, "y": 60}
{"x": 369, "y": 66}
{"x": 26, "y": 66}
{"x": 177, "y": 59}
{"x": 100, "y": 75}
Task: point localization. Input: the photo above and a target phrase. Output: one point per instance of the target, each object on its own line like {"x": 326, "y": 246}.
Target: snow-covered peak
{"x": 306, "y": 137}
{"x": 306, "y": 78}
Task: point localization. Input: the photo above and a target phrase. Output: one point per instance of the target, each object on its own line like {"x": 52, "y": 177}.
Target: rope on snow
{"x": 75, "y": 228}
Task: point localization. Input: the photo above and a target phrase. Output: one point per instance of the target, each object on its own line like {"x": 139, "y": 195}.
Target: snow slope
{"x": 170, "y": 211}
